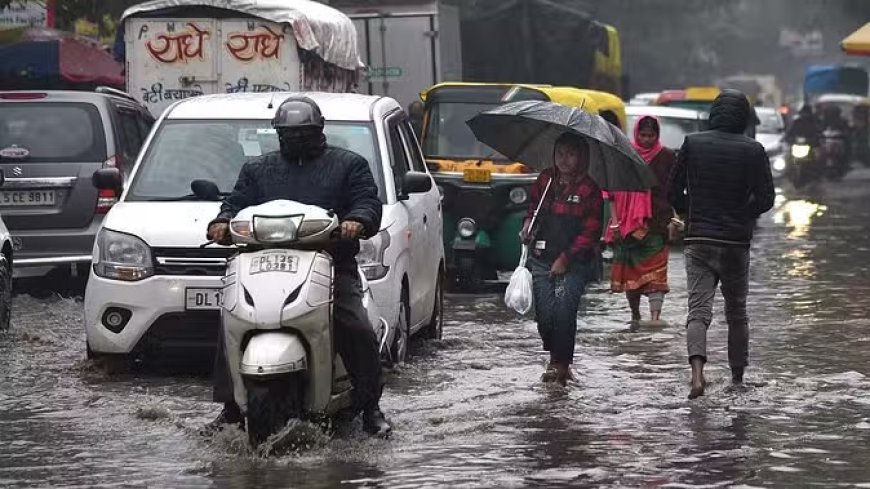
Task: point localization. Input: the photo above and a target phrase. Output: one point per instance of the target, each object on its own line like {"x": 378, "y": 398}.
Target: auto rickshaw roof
{"x": 456, "y": 92}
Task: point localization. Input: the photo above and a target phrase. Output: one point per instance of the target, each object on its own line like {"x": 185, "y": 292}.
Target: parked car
{"x": 51, "y": 142}
{"x": 675, "y": 122}
{"x": 6, "y": 254}
{"x": 152, "y": 285}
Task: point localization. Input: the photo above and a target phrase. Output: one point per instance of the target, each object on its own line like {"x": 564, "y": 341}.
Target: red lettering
{"x": 252, "y": 45}
{"x": 178, "y": 48}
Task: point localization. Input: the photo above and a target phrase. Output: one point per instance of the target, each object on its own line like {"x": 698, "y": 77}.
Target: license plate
{"x": 477, "y": 175}
{"x": 28, "y": 198}
{"x": 275, "y": 262}
{"x": 202, "y": 299}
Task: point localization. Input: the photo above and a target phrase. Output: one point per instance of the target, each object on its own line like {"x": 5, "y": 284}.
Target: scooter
{"x": 802, "y": 164}
{"x": 836, "y": 159}
{"x": 277, "y": 317}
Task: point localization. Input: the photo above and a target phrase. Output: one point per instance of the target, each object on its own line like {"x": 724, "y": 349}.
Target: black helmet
{"x": 298, "y": 112}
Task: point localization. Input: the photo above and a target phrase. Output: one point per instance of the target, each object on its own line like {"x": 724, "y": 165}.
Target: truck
{"x": 175, "y": 49}
{"x": 408, "y": 46}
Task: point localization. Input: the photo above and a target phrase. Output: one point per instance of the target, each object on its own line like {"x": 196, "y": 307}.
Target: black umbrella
{"x": 527, "y": 132}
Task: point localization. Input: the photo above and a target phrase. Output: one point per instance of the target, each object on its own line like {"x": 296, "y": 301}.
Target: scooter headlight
{"x": 122, "y": 257}
{"x": 518, "y": 195}
{"x": 800, "y": 151}
{"x": 310, "y": 227}
{"x": 779, "y": 163}
{"x": 276, "y": 229}
{"x": 466, "y": 227}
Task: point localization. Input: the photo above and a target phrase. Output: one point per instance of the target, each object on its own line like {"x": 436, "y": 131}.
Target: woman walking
{"x": 641, "y": 228}
{"x": 563, "y": 242}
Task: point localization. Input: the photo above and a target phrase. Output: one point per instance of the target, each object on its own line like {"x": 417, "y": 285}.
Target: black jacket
{"x": 338, "y": 180}
{"x": 722, "y": 181}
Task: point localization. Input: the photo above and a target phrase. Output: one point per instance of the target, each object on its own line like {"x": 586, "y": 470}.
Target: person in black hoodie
{"x": 309, "y": 171}
{"x": 722, "y": 184}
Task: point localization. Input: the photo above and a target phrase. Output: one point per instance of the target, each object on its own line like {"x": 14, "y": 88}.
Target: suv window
{"x": 413, "y": 147}
{"x": 51, "y": 132}
{"x": 131, "y": 135}
{"x": 398, "y": 159}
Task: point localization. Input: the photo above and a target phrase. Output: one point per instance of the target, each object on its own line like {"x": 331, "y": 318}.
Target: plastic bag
{"x": 518, "y": 295}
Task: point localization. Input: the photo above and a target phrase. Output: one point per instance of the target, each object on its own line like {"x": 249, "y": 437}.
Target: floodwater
{"x": 469, "y": 410}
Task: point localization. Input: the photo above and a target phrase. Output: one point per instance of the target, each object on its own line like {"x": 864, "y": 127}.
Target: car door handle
{"x": 425, "y": 219}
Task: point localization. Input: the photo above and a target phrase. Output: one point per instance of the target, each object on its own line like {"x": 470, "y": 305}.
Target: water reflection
{"x": 798, "y": 215}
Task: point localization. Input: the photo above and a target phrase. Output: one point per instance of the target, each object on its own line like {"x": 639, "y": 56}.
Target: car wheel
{"x": 112, "y": 364}
{"x": 5, "y": 293}
{"x": 402, "y": 337}
{"x": 435, "y": 329}
{"x": 468, "y": 275}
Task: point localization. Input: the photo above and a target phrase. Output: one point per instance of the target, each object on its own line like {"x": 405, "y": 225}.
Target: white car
{"x": 674, "y": 122}
{"x": 5, "y": 273}
{"x": 152, "y": 285}
{"x": 770, "y": 133}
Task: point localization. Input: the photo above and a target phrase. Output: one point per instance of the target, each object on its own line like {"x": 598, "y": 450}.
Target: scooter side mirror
{"x": 205, "y": 190}
{"x": 108, "y": 179}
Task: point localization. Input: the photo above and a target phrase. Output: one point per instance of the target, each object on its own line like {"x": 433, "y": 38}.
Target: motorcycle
{"x": 836, "y": 158}
{"x": 802, "y": 165}
{"x": 277, "y": 317}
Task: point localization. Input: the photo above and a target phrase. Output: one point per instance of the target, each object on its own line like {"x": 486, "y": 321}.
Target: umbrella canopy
{"x": 49, "y": 57}
{"x": 527, "y": 132}
{"x": 858, "y": 42}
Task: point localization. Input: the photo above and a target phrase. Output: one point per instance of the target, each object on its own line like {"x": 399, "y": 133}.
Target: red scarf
{"x": 648, "y": 154}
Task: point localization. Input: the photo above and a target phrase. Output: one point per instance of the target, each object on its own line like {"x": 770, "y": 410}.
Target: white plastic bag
{"x": 518, "y": 295}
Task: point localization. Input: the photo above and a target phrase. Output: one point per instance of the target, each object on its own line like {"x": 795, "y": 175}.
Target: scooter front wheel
{"x": 271, "y": 404}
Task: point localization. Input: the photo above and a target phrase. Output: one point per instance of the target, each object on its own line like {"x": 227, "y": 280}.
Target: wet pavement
{"x": 469, "y": 410}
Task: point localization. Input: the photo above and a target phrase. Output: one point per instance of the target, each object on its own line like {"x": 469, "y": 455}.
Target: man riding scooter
{"x": 836, "y": 137}
{"x": 804, "y": 140}
{"x": 309, "y": 171}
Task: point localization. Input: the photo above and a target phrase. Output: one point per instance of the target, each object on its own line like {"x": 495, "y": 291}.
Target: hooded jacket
{"x": 337, "y": 180}
{"x": 721, "y": 181}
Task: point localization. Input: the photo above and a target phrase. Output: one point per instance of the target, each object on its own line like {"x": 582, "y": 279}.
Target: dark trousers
{"x": 709, "y": 266}
{"x": 557, "y": 300}
{"x": 353, "y": 339}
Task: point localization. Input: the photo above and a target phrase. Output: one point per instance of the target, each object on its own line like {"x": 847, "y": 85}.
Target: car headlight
{"x": 276, "y": 229}
{"x": 123, "y": 257}
{"x": 800, "y": 150}
{"x": 371, "y": 255}
{"x": 779, "y": 163}
{"x": 518, "y": 195}
{"x": 466, "y": 227}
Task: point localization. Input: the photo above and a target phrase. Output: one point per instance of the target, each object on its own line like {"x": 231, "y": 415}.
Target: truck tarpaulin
{"x": 528, "y": 41}
{"x": 318, "y": 28}
{"x": 820, "y": 79}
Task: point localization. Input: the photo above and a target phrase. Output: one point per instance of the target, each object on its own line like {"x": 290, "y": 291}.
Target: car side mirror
{"x": 108, "y": 179}
{"x": 415, "y": 182}
{"x": 205, "y": 190}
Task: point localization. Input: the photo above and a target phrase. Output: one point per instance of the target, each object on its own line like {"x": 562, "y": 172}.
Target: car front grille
{"x": 191, "y": 261}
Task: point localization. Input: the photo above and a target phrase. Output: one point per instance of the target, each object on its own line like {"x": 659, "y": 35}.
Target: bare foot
{"x": 697, "y": 390}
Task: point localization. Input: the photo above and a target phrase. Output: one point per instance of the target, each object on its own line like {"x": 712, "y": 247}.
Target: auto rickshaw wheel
{"x": 469, "y": 277}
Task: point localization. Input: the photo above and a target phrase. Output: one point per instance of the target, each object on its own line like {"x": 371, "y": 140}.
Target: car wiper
{"x": 182, "y": 198}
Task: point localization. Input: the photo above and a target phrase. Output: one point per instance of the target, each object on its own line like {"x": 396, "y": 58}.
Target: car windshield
{"x": 186, "y": 150}
{"x": 673, "y": 129}
{"x": 448, "y": 136}
{"x": 771, "y": 122}
{"x": 49, "y": 132}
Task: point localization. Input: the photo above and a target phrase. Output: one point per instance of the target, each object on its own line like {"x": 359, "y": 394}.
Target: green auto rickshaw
{"x": 484, "y": 196}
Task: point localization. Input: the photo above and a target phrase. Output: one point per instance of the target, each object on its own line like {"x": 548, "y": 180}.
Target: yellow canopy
{"x": 858, "y": 42}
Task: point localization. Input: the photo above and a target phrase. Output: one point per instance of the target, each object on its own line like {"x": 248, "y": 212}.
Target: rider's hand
{"x": 351, "y": 229}
{"x": 219, "y": 232}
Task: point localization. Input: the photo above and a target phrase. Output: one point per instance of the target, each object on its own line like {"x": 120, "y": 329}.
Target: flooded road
{"x": 469, "y": 410}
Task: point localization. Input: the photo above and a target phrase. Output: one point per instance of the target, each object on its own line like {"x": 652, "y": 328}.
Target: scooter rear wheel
{"x": 271, "y": 404}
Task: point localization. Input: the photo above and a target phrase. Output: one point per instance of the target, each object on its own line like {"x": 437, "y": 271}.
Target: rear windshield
{"x": 47, "y": 132}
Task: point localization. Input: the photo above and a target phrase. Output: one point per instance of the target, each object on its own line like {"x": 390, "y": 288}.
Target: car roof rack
{"x": 114, "y": 91}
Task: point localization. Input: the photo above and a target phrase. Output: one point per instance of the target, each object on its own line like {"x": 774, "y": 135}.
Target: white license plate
{"x": 275, "y": 261}
{"x": 202, "y": 299}
{"x": 16, "y": 198}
